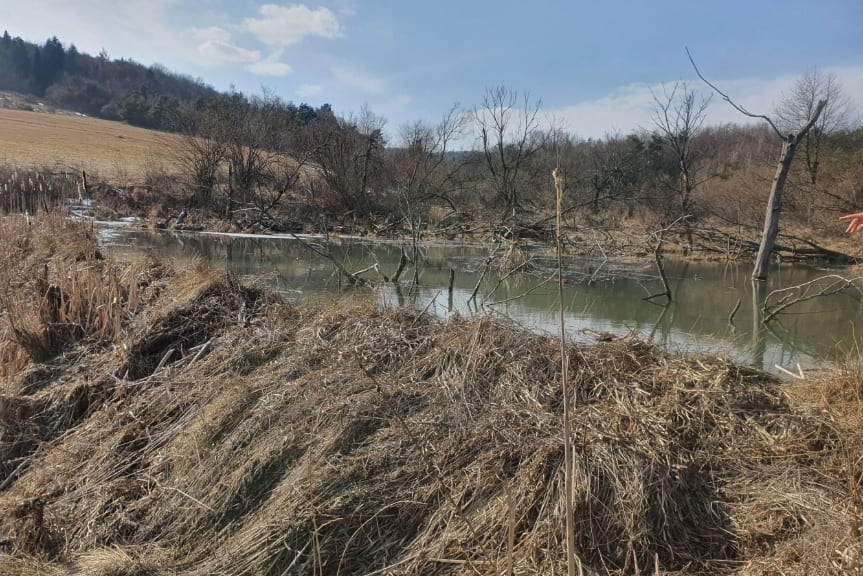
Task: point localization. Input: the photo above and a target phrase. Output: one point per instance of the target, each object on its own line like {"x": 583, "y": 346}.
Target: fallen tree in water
{"x": 219, "y": 431}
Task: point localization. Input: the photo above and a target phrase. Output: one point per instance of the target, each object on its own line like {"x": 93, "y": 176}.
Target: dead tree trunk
{"x": 774, "y": 207}
{"x": 774, "y": 203}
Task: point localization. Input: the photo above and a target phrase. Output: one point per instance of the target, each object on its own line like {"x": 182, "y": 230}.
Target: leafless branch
{"x": 523, "y": 294}
{"x": 601, "y": 264}
{"x": 658, "y": 235}
{"x": 325, "y": 252}
{"x": 793, "y": 295}
{"x": 728, "y": 99}
{"x": 733, "y": 312}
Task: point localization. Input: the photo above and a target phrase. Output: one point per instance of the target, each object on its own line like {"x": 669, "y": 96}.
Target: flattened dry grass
{"x": 348, "y": 440}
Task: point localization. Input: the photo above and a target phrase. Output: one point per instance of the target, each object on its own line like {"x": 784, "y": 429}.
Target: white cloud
{"x": 309, "y": 90}
{"x": 359, "y": 80}
{"x": 288, "y": 25}
{"x": 631, "y": 107}
{"x": 270, "y": 66}
{"x": 184, "y": 38}
{"x": 215, "y": 45}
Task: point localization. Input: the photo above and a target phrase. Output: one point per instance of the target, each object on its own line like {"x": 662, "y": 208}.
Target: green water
{"x": 597, "y": 297}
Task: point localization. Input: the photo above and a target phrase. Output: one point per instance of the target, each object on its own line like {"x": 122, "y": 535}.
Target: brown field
{"x": 108, "y": 149}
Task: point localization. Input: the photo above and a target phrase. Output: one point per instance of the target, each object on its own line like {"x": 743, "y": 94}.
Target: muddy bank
{"x": 207, "y": 428}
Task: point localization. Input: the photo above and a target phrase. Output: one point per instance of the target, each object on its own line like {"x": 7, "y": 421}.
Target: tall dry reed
{"x": 564, "y": 363}
{"x": 55, "y": 289}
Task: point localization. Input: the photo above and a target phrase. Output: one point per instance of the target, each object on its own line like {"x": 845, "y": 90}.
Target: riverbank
{"x": 163, "y": 421}
{"x": 156, "y": 202}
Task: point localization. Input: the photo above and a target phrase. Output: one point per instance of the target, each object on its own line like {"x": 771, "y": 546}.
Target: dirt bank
{"x": 202, "y": 427}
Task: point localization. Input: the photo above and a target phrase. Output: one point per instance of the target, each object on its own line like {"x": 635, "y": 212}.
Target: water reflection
{"x": 698, "y": 319}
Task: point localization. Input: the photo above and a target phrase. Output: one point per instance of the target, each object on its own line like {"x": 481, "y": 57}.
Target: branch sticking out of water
{"x": 793, "y": 295}
{"x": 659, "y": 237}
{"x": 325, "y": 252}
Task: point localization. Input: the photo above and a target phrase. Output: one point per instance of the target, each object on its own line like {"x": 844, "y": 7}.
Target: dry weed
{"x": 226, "y": 433}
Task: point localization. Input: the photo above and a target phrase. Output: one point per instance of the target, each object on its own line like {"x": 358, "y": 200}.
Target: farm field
{"x": 111, "y": 150}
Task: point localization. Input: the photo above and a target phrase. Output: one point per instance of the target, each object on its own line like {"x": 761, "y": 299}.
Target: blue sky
{"x": 593, "y": 64}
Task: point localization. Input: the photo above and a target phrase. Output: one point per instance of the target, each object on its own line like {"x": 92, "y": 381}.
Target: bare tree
{"x": 790, "y": 141}
{"x": 798, "y": 107}
{"x": 612, "y": 168}
{"x": 350, "y": 158}
{"x": 509, "y": 136}
{"x": 679, "y": 117}
{"x": 287, "y": 172}
{"x": 268, "y": 154}
{"x": 200, "y": 150}
{"x": 424, "y": 170}
{"x": 253, "y": 134}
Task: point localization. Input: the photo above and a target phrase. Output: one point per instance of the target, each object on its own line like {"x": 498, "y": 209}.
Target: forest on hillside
{"x": 118, "y": 89}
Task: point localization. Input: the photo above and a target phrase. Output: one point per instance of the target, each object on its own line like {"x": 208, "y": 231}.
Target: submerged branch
{"x": 353, "y": 278}
{"x": 810, "y": 290}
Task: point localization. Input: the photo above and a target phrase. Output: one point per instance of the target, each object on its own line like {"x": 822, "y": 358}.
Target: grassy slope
{"x": 282, "y": 440}
{"x": 110, "y": 149}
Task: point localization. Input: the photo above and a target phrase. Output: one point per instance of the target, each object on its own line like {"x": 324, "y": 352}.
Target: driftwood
{"x": 787, "y": 297}
{"x": 324, "y": 252}
{"x": 659, "y": 237}
{"x": 717, "y": 241}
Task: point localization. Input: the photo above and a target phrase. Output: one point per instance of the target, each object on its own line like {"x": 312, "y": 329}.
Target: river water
{"x": 598, "y": 298}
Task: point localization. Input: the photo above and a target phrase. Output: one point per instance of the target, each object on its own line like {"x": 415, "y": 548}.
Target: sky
{"x": 594, "y": 65}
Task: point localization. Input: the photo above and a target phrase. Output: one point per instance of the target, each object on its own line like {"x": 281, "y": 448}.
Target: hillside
{"x": 65, "y": 141}
{"x": 97, "y": 85}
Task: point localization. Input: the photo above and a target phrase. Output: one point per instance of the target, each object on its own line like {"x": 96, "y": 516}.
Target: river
{"x": 598, "y": 298}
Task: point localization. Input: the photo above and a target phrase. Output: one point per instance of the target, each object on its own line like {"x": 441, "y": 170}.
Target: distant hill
{"x": 146, "y": 96}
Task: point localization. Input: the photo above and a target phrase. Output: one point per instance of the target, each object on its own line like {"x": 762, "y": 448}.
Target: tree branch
{"x": 728, "y": 99}
{"x": 803, "y": 292}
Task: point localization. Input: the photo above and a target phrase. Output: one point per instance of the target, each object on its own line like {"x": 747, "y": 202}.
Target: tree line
{"x": 487, "y": 168}
{"x": 121, "y": 89}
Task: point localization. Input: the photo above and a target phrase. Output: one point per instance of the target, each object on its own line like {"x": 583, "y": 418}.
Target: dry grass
{"x": 55, "y": 289}
{"x": 346, "y": 440}
{"x": 113, "y": 149}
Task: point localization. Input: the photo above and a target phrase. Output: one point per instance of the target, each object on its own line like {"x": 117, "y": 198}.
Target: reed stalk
{"x": 564, "y": 361}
